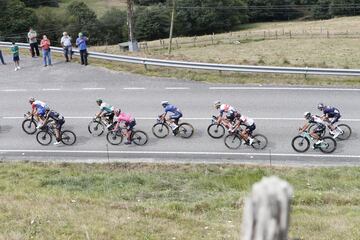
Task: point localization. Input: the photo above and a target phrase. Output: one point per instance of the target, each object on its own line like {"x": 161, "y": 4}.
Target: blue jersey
{"x": 331, "y": 111}
{"x": 172, "y": 109}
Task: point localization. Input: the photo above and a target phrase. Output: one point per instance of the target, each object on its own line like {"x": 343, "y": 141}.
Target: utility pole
{"x": 171, "y": 26}
{"x": 130, "y": 21}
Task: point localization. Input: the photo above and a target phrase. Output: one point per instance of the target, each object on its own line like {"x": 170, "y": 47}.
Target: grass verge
{"x": 143, "y": 201}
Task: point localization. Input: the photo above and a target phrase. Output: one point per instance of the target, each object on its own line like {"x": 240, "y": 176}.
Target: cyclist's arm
{"x": 304, "y": 127}
{"x": 46, "y": 119}
{"x": 117, "y": 125}
{"x": 99, "y": 114}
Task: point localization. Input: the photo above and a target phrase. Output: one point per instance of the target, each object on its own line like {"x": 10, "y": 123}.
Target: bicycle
{"x": 97, "y": 126}
{"x": 344, "y": 129}
{"x": 44, "y": 137}
{"x": 234, "y": 140}
{"x": 216, "y": 130}
{"x": 161, "y": 129}
{"x": 29, "y": 124}
{"x": 301, "y": 143}
{"x": 138, "y": 137}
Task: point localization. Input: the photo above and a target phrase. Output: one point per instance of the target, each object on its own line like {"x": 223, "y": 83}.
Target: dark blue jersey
{"x": 331, "y": 111}
{"x": 172, "y": 109}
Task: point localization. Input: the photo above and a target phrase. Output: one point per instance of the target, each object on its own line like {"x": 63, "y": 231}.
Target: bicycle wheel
{"x": 44, "y": 137}
{"x": 29, "y": 126}
{"x": 96, "y": 128}
{"x": 114, "y": 138}
{"x": 328, "y": 145}
{"x": 300, "y": 144}
{"x": 312, "y": 128}
{"x": 345, "y": 131}
{"x": 160, "y": 130}
{"x": 216, "y": 130}
{"x": 233, "y": 141}
{"x": 260, "y": 141}
{"x": 185, "y": 130}
{"x": 140, "y": 138}
{"x": 68, "y": 137}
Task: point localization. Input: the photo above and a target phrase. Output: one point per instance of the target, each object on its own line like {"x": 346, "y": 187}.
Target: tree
{"x": 113, "y": 25}
{"x": 322, "y": 10}
{"x": 39, "y": 3}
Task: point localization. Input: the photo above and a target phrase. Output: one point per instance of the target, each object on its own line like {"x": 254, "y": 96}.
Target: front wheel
{"x": 233, "y": 141}
{"x": 300, "y": 144}
{"x": 328, "y": 145}
{"x": 140, "y": 138}
{"x": 345, "y": 131}
{"x": 29, "y": 126}
{"x": 44, "y": 137}
{"x": 96, "y": 128}
{"x": 260, "y": 141}
{"x": 185, "y": 130}
{"x": 216, "y": 130}
{"x": 160, "y": 130}
{"x": 114, "y": 138}
{"x": 68, "y": 137}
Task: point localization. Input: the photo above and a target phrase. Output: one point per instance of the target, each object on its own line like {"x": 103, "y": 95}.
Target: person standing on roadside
{"x": 81, "y": 44}
{"x": 45, "y": 45}
{"x": 15, "y": 51}
{"x": 2, "y": 58}
{"x": 32, "y": 36}
{"x": 66, "y": 44}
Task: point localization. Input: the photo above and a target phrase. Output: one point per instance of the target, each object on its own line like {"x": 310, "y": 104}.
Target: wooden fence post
{"x": 267, "y": 210}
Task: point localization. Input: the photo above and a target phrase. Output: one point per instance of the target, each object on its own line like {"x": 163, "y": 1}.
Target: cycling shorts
{"x": 41, "y": 111}
{"x": 230, "y": 116}
{"x": 251, "y": 128}
{"x": 320, "y": 128}
{"x": 335, "y": 118}
{"x": 59, "y": 123}
{"x": 176, "y": 115}
{"x": 130, "y": 125}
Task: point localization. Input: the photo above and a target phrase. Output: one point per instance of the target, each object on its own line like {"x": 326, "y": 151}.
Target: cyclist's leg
{"x": 58, "y": 127}
{"x": 129, "y": 128}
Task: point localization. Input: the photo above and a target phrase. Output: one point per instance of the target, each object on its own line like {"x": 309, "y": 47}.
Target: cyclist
{"x": 229, "y": 112}
{"x": 249, "y": 124}
{"x": 58, "y": 119}
{"x": 106, "y": 111}
{"x": 37, "y": 108}
{"x": 129, "y": 123}
{"x": 333, "y": 114}
{"x": 318, "y": 130}
{"x": 175, "y": 117}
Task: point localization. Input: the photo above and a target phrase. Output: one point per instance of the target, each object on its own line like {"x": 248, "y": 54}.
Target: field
{"x": 99, "y": 6}
{"x": 140, "y": 201}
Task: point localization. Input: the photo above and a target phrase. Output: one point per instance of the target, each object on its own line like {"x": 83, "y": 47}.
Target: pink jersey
{"x": 123, "y": 117}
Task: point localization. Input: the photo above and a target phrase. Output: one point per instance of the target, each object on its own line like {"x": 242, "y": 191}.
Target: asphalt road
{"x": 72, "y": 89}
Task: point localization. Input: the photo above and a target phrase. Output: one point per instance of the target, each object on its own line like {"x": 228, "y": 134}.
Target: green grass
{"x": 99, "y": 6}
{"x": 141, "y": 201}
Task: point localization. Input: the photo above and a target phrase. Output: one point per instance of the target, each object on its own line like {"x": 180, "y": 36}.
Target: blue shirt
{"x": 81, "y": 43}
{"x": 172, "y": 109}
{"x": 331, "y": 111}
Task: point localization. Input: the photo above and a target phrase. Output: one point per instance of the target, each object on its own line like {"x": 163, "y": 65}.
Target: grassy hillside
{"x": 99, "y": 6}
{"x": 140, "y": 201}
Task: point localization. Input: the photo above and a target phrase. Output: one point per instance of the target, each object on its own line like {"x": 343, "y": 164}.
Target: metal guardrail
{"x": 208, "y": 66}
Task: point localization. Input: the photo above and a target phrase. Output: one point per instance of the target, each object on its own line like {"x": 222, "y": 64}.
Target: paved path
{"x": 71, "y": 89}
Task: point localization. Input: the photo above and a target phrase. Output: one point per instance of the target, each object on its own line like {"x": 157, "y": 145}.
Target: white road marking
{"x": 51, "y": 89}
{"x": 181, "y": 153}
{"x": 177, "y": 88}
{"x": 134, "y": 88}
{"x": 285, "y": 88}
{"x": 14, "y": 90}
{"x": 94, "y": 88}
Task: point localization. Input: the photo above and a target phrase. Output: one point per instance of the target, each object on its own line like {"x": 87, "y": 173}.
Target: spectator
{"x": 16, "y": 58}
{"x": 66, "y": 44}
{"x": 45, "y": 45}
{"x": 81, "y": 43}
{"x": 32, "y": 36}
{"x": 2, "y": 58}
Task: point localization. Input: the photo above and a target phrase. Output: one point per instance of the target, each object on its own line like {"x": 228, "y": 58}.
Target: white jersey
{"x": 225, "y": 108}
{"x": 247, "y": 121}
{"x": 106, "y": 107}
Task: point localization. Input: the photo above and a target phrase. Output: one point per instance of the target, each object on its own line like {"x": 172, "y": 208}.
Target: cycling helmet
{"x": 32, "y": 99}
{"x": 320, "y": 106}
{"x": 117, "y": 112}
{"x": 164, "y": 103}
{"x": 217, "y": 104}
{"x": 47, "y": 108}
{"x": 307, "y": 115}
{"x": 99, "y": 100}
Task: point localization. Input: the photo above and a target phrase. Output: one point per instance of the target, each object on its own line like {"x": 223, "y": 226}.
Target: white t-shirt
{"x": 66, "y": 41}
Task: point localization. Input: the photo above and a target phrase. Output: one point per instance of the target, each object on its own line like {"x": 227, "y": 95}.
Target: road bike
{"x": 344, "y": 129}
{"x": 97, "y": 126}
{"x": 301, "y": 143}
{"x": 29, "y": 124}
{"x": 216, "y": 130}
{"x": 234, "y": 140}
{"x": 46, "y": 134}
{"x": 161, "y": 129}
{"x": 138, "y": 137}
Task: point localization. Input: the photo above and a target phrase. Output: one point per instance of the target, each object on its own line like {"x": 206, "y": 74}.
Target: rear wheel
{"x": 216, "y": 130}
{"x": 160, "y": 130}
{"x": 185, "y": 130}
{"x": 114, "y": 138}
{"x": 345, "y": 131}
{"x": 96, "y": 128}
{"x": 300, "y": 144}
{"x": 29, "y": 126}
{"x": 139, "y": 138}
{"x": 328, "y": 145}
{"x": 233, "y": 141}
{"x": 68, "y": 137}
{"x": 260, "y": 141}
{"x": 44, "y": 138}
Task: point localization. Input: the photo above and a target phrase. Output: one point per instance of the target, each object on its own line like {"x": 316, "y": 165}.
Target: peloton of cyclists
{"x": 37, "y": 108}
{"x": 226, "y": 114}
{"x": 58, "y": 119}
{"x": 129, "y": 122}
{"x": 330, "y": 115}
{"x": 106, "y": 111}
{"x": 318, "y": 130}
{"x": 174, "y": 118}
